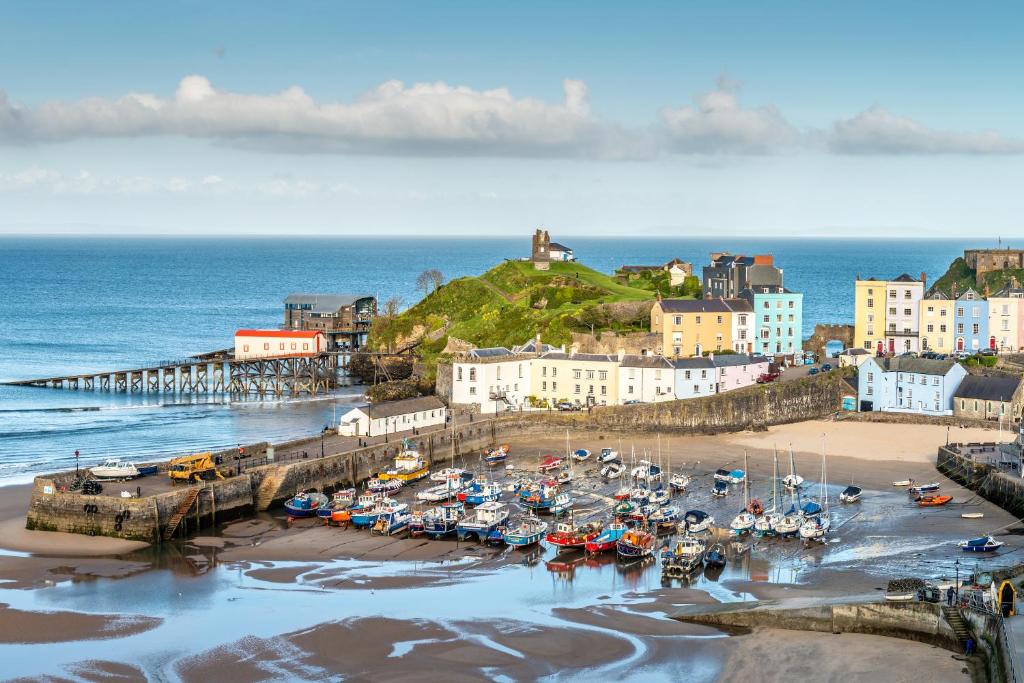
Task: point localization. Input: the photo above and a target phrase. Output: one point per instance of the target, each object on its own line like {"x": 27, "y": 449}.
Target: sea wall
{"x": 1005, "y": 489}
{"x": 918, "y": 621}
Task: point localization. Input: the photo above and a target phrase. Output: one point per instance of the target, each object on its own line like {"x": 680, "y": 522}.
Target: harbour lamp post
{"x": 76, "y": 462}
{"x": 322, "y": 442}
{"x": 956, "y": 588}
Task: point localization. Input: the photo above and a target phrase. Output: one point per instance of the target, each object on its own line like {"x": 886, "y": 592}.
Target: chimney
{"x": 924, "y": 278}
{"x": 538, "y": 341}
{"x": 986, "y": 290}
{"x": 562, "y": 349}
{"x": 622, "y": 354}
{"x": 952, "y": 291}
{"x": 711, "y": 356}
{"x": 574, "y": 349}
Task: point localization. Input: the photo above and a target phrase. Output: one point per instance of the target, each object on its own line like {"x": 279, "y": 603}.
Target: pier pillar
{"x": 135, "y": 381}
{"x": 218, "y": 378}
{"x": 168, "y": 380}
{"x": 73, "y": 383}
{"x": 120, "y": 381}
{"x": 105, "y": 382}
{"x": 153, "y": 381}
{"x": 185, "y": 377}
{"x": 89, "y": 383}
{"x": 202, "y": 383}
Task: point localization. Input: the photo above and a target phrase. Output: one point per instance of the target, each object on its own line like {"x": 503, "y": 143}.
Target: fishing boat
{"x": 495, "y": 456}
{"x": 720, "y": 489}
{"x": 571, "y": 535}
{"x": 341, "y": 500}
{"x": 441, "y": 520}
{"x": 436, "y": 494}
{"x": 679, "y": 481}
{"x": 386, "y": 486}
{"x": 613, "y": 470}
{"x": 409, "y": 465}
{"x": 480, "y": 491}
{"x": 483, "y": 520}
{"x": 550, "y": 463}
{"x": 526, "y": 532}
{"x": 608, "y": 454}
{"x": 932, "y": 501}
{"x": 925, "y": 488}
{"x": 623, "y": 508}
{"x": 607, "y": 539}
{"x": 565, "y": 476}
{"x": 623, "y": 493}
{"x": 365, "y": 501}
{"x": 985, "y": 544}
{"x": 851, "y": 494}
{"x": 715, "y": 556}
{"x": 363, "y": 518}
{"x": 538, "y": 497}
{"x": 305, "y": 504}
{"x": 393, "y": 519}
{"x": 341, "y": 518}
{"x": 635, "y": 544}
{"x": 660, "y": 496}
{"x": 562, "y": 503}
{"x": 447, "y": 474}
{"x": 581, "y": 455}
{"x": 115, "y": 469}
{"x": 639, "y": 495}
{"x": 972, "y": 515}
{"x": 697, "y": 521}
{"x": 664, "y": 519}
{"x": 683, "y": 557}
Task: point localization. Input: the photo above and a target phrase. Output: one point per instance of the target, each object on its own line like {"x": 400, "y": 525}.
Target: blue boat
{"x": 527, "y": 532}
{"x": 367, "y": 517}
{"x": 482, "y": 521}
{"x": 480, "y": 492}
{"x": 810, "y": 509}
{"x": 341, "y": 500}
{"x": 495, "y": 456}
{"x": 607, "y": 539}
{"x": 924, "y": 488}
{"x": 440, "y": 521}
{"x": 393, "y": 519}
{"x": 538, "y": 497}
{"x": 305, "y": 504}
{"x": 985, "y": 544}
{"x": 581, "y": 454}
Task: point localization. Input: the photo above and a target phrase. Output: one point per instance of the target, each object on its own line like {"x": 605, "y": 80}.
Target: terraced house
{"x": 1005, "y": 317}
{"x": 887, "y": 314}
{"x": 777, "y": 319}
{"x": 937, "y": 323}
{"x": 971, "y": 322}
{"x": 648, "y": 379}
{"x": 587, "y": 378}
{"x": 691, "y": 328}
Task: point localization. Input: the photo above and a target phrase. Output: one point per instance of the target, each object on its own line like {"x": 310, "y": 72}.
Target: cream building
{"x": 492, "y": 379}
{"x": 648, "y": 379}
{"x": 584, "y": 378}
{"x": 1005, "y": 317}
{"x": 252, "y": 344}
{"x": 937, "y": 324}
{"x": 887, "y": 314}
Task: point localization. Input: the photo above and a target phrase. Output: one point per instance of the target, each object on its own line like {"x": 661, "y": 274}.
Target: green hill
{"x": 513, "y": 302}
{"x": 963, "y": 276}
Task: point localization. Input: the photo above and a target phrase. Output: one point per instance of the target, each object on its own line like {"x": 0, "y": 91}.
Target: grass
{"x": 963, "y": 276}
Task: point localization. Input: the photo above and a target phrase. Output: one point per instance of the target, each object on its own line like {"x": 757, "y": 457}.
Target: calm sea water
{"x": 91, "y": 304}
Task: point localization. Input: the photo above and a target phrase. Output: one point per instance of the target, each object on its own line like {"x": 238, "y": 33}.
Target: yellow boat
{"x": 409, "y": 466}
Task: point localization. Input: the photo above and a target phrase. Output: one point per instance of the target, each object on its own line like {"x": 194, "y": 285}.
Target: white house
{"x": 694, "y": 377}
{"x": 392, "y": 417}
{"x": 560, "y": 252}
{"x": 737, "y": 370}
{"x": 853, "y": 357}
{"x": 648, "y": 379}
{"x": 492, "y": 379}
{"x": 251, "y": 344}
{"x": 908, "y": 385}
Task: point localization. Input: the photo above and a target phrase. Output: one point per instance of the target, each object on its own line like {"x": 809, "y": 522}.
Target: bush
{"x": 989, "y": 361}
{"x": 393, "y": 391}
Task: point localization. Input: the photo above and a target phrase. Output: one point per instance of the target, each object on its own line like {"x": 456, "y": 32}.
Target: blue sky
{"x": 493, "y": 118}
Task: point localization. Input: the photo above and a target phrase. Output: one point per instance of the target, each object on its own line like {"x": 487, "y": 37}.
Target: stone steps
{"x": 179, "y": 514}
{"x": 957, "y": 623}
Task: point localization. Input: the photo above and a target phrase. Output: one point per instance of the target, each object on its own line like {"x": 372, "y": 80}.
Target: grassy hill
{"x": 513, "y": 302}
{"x": 963, "y": 276}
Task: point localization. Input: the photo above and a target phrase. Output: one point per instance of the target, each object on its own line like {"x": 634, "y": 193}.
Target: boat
{"x": 608, "y": 454}
{"x": 985, "y": 544}
{"x": 393, "y": 519}
{"x": 385, "y": 486}
{"x": 366, "y": 501}
{"x": 792, "y": 481}
{"x": 903, "y": 482}
{"x": 613, "y": 470}
{"x": 720, "y": 489}
{"x": 550, "y": 463}
{"x": 646, "y": 471}
{"x": 440, "y": 521}
{"x": 722, "y": 475}
{"x": 679, "y": 481}
{"x": 972, "y": 515}
{"x": 685, "y": 556}
{"x": 581, "y": 455}
{"x": 366, "y": 517}
{"x": 341, "y": 500}
{"x": 528, "y": 531}
{"x": 436, "y": 494}
{"x": 341, "y": 518}
{"x": 634, "y": 544}
{"x": 715, "y": 556}
{"x": 736, "y": 476}
{"x": 570, "y": 535}
{"x": 765, "y": 523}
{"x": 660, "y": 496}
{"x": 480, "y": 491}
{"x": 788, "y": 525}
{"x": 925, "y": 488}
{"x": 448, "y": 473}
{"x": 115, "y": 469}
{"x": 639, "y": 495}
{"x": 538, "y": 497}
{"x": 932, "y": 501}
{"x": 744, "y": 521}
{"x": 817, "y": 526}
{"x": 664, "y": 518}
{"x": 565, "y": 476}
{"x": 409, "y": 465}
{"x": 697, "y": 521}
{"x": 851, "y": 494}
{"x": 755, "y": 507}
{"x": 623, "y": 508}
{"x": 305, "y": 504}
{"x": 623, "y": 493}
{"x": 495, "y": 456}
{"x": 563, "y": 502}
{"x": 607, "y": 539}
{"x": 483, "y": 520}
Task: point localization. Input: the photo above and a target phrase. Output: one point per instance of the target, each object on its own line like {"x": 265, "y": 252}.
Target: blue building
{"x": 908, "y": 385}
{"x": 970, "y": 322}
{"x": 778, "y": 319}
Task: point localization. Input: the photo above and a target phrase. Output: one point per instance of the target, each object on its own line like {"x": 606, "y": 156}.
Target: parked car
{"x": 826, "y": 367}
{"x": 930, "y": 355}
{"x": 962, "y": 355}
{"x": 987, "y": 352}
{"x": 812, "y": 371}
{"x": 940, "y": 356}
{"x": 767, "y": 377}
{"x": 630, "y": 402}
{"x": 565, "y": 406}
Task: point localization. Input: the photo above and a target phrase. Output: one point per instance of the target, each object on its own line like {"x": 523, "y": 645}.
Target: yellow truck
{"x": 193, "y": 468}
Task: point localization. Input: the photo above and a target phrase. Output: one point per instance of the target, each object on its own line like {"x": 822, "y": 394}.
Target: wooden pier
{"x": 215, "y": 373}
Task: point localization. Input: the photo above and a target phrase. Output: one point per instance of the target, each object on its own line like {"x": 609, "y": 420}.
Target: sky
{"x": 643, "y": 118}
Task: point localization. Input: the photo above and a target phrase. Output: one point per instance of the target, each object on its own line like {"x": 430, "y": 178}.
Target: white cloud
{"x": 879, "y": 131}
{"x": 282, "y": 188}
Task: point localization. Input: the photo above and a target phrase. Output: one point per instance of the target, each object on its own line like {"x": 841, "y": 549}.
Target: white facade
{"x": 903, "y": 314}
{"x": 908, "y": 385}
{"x": 742, "y": 330}
{"x": 251, "y": 344}
{"x": 493, "y": 380}
{"x": 393, "y": 417}
{"x": 694, "y": 377}
{"x": 648, "y": 379}
{"x": 738, "y": 371}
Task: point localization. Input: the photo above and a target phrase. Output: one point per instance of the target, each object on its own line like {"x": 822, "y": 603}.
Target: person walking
{"x": 949, "y": 596}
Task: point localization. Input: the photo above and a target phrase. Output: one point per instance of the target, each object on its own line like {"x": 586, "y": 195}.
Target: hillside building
{"x": 1006, "y": 318}
{"x": 392, "y": 417}
{"x": 737, "y": 370}
{"x": 647, "y": 379}
{"x": 887, "y": 314}
{"x": 908, "y": 385}
{"x": 778, "y": 319}
{"x": 590, "y": 379}
{"x": 694, "y": 377}
{"x": 344, "y": 319}
{"x": 544, "y": 251}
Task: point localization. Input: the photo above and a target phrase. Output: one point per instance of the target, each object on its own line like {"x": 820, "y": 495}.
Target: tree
{"x": 391, "y": 308}
{"x": 430, "y": 280}
{"x": 691, "y": 286}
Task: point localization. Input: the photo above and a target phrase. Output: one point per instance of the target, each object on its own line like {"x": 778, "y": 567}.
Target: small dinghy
{"x": 608, "y": 454}
{"x": 925, "y": 488}
{"x": 722, "y": 475}
{"x": 791, "y": 482}
{"x": 495, "y": 456}
{"x": 721, "y": 489}
{"x": 903, "y": 482}
{"x": 581, "y": 455}
{"x": 697, "y": 521}
{"x": 932, "y": 501}
{"x": 679, "y": 482}
{"x": 613, "y": 470}
{"x": 985, "y": 544}
{"x": 972, "y": 515}
{"x": 715, "y": 556}
{"x": 851, "y": 494}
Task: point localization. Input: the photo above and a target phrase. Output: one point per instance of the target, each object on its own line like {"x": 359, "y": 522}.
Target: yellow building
{"x": 937, "y": 329}
{"x": 887, "y": 314}
{"x": 689, "y": 328}
{"x": 584, "y": 378}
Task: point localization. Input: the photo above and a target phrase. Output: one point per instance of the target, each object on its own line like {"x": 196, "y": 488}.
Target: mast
{"x": 775, "y": 478}
{"x": 746, "y": 482}
{"x": 824, "y": 476}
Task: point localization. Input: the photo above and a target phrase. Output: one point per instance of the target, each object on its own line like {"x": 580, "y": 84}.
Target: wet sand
{"x": 18, "y": 626}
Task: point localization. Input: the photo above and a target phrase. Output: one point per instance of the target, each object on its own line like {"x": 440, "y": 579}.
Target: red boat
{"x": 606, "y": 540}
{"x": 568, "y": 535}
{"x": 755, "y": 507}
{"x": 550, "y": 463}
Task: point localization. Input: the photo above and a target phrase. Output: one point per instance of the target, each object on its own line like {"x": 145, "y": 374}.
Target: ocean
{"x": 85, "y": 304}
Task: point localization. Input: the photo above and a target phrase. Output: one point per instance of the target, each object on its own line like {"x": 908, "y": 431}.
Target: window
{"x": 974, "y": 328}
{"x": 629, "y": 389}
{"x": 892, "y": 293}
{"x": 686, "y": 374}
{"x": 906, "y": 311}
{"x": 305, "y": 346}
{"x": 931, "y": 309}
{"x": 789, "y": 332}
{"x": 590, "y": 374}
{"x": 1006, "y": 309}
{"x": 678, "y": 320}
{"x": 942, "y": 328}
{"x": 602, "y": 375}
{"x": 554, "y": 373}
{"x": 280, "y": 346}
{"x": 975, "y": 312}
{"x": 931, "y": 328}
{"x": 698, "y": 320}
{"x": 577, "y": 389}
{"x": 696, "y": 388}
{"x": 892, "y": 311}
{"x": 962, "y": 404}
{"x": 554, "y": 386}
{"x": 543, "y": 386}
{"x": 910, "y": 378}
{"x": 766, "y": 305}
{"x": 520, "y": 371}
{"x": 791, "y": 304}
{"x": 960, "y": 311}
{"x": 266, "y": 346}
{"x": 778, "y": 318}
{"x": 871, "y": 303}
{"x": 867, "y": 344}
{"x": 498, "y": 369}
{"x": 869, "y": 390}
{"x": 294, "y": 346}
{"x": 719, "y": 321}
{"x": 458, "y": 374}
{"x": 703, "y": 374}
{"x": 766, "y": 319}
{"x": 245, "y": 347}
{"x": 791, "y": 318}
{"x": 577, "y": 374}
{"x": 942, "y": 313}
{"x": 472, "y": 374}
{"x": 544, "y": 371}
{"x": 604, "y": 390}
{"x": 472, "y": 391}
{"x": 743, "y": 320}
{"x": 959, "y": 328}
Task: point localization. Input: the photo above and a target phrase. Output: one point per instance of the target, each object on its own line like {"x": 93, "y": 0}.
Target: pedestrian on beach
{"x": 949, "y": 596}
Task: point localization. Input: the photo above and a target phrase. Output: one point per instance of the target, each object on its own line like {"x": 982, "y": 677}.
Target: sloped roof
{"x": 325, "y": 303}
{"x": 924, "y": 366}
{"x": 634, "y": 361}
{"x": 988, "y": 387}
{"x": 692, "y": 363}
{"x": 561, "y": 355}
{"x": 532, "y": 347}
{"x": 727, "y": 360}
{"x": 559, "y": 247}
{"x": 492, "y": 352}
{"x": 694, "y": 306}
{"x": 739, "y": 305}
{"x": 403, "y": 407}
{"x": 904, "y": 278}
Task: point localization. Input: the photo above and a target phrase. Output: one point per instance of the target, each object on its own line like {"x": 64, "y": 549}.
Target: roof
{"x": 325, "y": 303}
{"x": 695, "y": 306}
{"x": 404, "y": 407}
{"x": 739, "y": 305}
{"x": 634, "y": 361}
{"x": 1009, "y": 292}
{"x": 924, "y": 366}
{"x": 903, "y": 277}
{"x": 492, "y": 352}
{"x": 937, "y": 296}
{"x": 639, "y": 269}
{"x": 692, "y": 363}
{"x": 293, "y": 334}
{"x": 988, "y": 387}
{"x": 555, "y": 246}
{"x": 561, "y": 355}
{"x": 533, "y": 347}
{"x": 854, "y": 352}
{"x": 726, "y": 360}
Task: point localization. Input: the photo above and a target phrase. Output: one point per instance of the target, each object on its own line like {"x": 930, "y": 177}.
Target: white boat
{"x": 565, "y": 476}
{"x": 613, "y": 470}
{"x": 115, "y": 469}
{"x": 483, "y": 520}
{"x": 792, "y": 481}
{"x": 659, "y": 497}
{"x": 447, "y": 473}
{"x": 679, "y": 481}
{"x": 816, "y": 527}
{"x": 851, "y": 494}
{"x": 608, "y": 454}
{"x": 788, "y": 525}
{"x": 972, "y": 515}
{"x": 765, "y": 524}
{"x": 563, "y": 502}
{"x": 441, "y": 492}
{"x": 696, "y": 521}
{"x": 903, "y": 482}
{"x": 580, "y": 454}
{"x": 684, "y": 557}
{"x": 744, "y": 522}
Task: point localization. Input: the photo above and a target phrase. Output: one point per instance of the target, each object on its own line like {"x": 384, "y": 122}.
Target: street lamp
{"x": 956, "y": 588}
{"x": 76, "y": 462}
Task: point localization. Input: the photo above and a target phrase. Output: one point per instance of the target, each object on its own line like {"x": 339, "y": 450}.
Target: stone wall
{"x": 443, "y": 382}
{"x": 1002, "y": 488}
{"x": 633, "y": 343}
{"x": 825, "y": 332}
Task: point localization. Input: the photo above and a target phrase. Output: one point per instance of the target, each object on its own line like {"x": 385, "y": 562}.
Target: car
{"x": 962, "y": 355}
{"x": 630, "y": 402}
{"x": 908, "y": 354}
{"x": 826, "y": 367}
{"x": 987, "y": 352}
{"x": 767, "y": 377}
{"x": 565, "y": 406}
{"x": 940, "y": 356}
{"x": 930, "y": 355}
{"x": 813, "y": 371}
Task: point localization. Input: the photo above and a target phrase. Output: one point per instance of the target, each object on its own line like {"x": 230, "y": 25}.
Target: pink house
{"x": 737, "y": 370}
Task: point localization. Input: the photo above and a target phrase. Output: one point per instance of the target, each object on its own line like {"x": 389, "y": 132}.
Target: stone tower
{"x": 541, "y": 252}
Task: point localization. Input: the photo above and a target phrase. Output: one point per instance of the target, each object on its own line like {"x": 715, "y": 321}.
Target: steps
{"x": 179, "y": 514}
{"x": 268, "y": 488}
{"x": 957, "y": 623}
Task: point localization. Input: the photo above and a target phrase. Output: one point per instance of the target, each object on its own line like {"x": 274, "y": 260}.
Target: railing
{"x": 1007, "y": 651}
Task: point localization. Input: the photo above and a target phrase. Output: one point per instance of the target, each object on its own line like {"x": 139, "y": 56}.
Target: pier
{"x": 218, "y": 372}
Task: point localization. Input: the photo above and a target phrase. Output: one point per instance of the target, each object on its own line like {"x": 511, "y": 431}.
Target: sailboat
{"x": 765, "y": 524}
{"x": 790, "y": 523}
{"x": 792, "y": 481}
{"x": 815, "y": 528}
{"x": 744, "y": 522}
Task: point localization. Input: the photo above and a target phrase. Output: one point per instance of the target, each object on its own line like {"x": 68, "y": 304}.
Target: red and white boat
{"x": 550, "y": 463}
{"x": 569, "y": 535}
